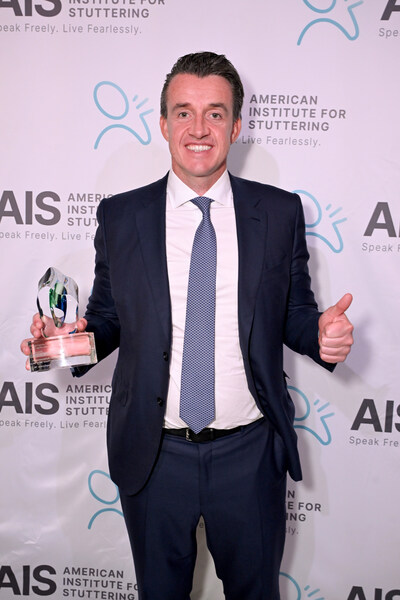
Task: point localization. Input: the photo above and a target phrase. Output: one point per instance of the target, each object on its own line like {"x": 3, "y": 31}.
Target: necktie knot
{"x": 203, "y": 203}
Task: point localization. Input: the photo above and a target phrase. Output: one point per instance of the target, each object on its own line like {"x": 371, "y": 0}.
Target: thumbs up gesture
{"x": 335, "y": 332}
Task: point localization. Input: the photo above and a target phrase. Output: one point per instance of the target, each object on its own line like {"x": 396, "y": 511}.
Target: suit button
{"x": 165, "y": 356}
{"x": 160, "y": 401}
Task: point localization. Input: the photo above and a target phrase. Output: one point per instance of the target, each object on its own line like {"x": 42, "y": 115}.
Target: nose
{"x": 199, "y": 127}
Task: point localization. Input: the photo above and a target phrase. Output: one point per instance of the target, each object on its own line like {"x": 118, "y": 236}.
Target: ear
{"x": 164, "y": 128}
{"x": 237, "y": 126}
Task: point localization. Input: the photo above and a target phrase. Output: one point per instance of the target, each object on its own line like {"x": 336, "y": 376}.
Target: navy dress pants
{"x": 238, "y": 484}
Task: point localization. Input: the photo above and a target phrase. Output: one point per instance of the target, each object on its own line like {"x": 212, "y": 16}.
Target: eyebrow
{"x": 221, "y": 105}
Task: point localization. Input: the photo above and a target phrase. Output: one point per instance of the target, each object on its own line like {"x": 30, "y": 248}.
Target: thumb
{"x": 81, "y": 324}
{"x": 341, "y": 306}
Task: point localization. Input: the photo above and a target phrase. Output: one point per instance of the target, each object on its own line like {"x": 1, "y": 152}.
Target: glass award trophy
{"x": 61, "y": 345}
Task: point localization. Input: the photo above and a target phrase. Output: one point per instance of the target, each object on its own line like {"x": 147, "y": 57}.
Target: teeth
{"x": 197, "y": 148}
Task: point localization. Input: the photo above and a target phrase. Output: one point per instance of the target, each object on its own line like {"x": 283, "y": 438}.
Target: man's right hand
{"x": 38, "y": 326}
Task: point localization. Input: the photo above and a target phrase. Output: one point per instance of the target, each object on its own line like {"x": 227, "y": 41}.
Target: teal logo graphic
{"x": 320, "y": 414}
{"x": 322, "y": 224}
{"x": 293, "y": 590}
{"x": 118, "y": 108}
{"x": 330, "y": 14}
{"x": 104, "y": 487}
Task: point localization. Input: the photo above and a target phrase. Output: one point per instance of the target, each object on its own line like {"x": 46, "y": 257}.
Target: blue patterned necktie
{"x": 197, "y": 406}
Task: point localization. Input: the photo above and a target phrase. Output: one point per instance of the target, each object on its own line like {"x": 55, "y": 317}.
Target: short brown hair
{"x": 204, "y": 64}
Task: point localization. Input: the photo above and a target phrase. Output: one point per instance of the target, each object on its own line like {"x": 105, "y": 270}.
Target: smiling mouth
{"x": 197, "y": 148}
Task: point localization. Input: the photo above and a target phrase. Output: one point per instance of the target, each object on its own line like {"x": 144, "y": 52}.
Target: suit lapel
{"x": 151, "y": 230}
{"x": 251, "y": 225}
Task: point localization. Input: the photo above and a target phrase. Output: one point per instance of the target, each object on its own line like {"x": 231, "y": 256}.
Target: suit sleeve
{"x": 301, "y": 326}
{"x": 100, "y": 313}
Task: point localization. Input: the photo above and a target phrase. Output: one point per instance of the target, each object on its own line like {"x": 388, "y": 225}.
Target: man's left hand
{"x": 336, "y": 332}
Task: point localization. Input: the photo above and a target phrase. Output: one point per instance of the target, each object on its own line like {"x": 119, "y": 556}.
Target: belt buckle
{"x": 205, "y": 435}
{"x": 208, "y": 435}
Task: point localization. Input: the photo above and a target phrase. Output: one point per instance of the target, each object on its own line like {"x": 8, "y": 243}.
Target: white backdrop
{"x": 80, "y": 85}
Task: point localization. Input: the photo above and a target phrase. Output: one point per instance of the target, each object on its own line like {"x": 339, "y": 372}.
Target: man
{"x": 153, "y": 247}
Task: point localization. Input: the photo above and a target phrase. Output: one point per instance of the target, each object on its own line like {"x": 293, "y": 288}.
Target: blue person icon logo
{"x": 118, "y": 108}
{"x": 316, "y": 411}
{"x": 104, "y": 491}
{"x": 323, "y": 223}
{"x": 337, "y": 12}
{"x": 293, "y": 590}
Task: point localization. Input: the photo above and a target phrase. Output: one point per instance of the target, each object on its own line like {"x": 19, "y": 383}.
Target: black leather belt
{"x": 206, "y": 435}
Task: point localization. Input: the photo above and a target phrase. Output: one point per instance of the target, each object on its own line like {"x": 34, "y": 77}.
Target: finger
{"x": 24, "y": 347}
{"x": 336, "y": 350}
{"x": 334, "y": 355}
{"x": 37, "y": 325}
{"x": 335, "y": 343}
{"x": 81, "y": 324}
{"x": 334, "y": 358}
{"x": 36, "y": 331}
{"x": 341, "y": 306}
{"x": 337, "y": 329}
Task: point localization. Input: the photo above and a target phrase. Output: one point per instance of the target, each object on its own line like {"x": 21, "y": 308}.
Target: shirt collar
{"x": 179, "y": 193}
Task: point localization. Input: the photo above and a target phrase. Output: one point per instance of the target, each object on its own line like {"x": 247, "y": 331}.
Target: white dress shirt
{"x": 234, "y": 405}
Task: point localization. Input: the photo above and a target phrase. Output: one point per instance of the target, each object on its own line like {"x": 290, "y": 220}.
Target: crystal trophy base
{"x": 57, "y": 352}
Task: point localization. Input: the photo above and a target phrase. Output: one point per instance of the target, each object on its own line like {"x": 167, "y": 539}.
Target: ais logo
{"x": 382, "y": 219}
{"x": 40, "y": 208}
{"x": 34, "y": 580}
{"x": 26, "y": 8}
{"x": 358, "y": 593}
{"x": 37, "y": 399}
{"x": 390, "y": 8}
{"x": 368, "y": 415}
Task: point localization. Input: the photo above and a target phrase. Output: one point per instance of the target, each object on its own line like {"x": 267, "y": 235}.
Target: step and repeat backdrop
{"x": 80, "y": 86}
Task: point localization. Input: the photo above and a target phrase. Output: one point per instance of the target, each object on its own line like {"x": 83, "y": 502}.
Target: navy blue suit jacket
{"x": 130, "y": 308}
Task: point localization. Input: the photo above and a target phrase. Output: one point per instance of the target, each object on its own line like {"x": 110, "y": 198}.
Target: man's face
{"x": 199, "y": 128}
